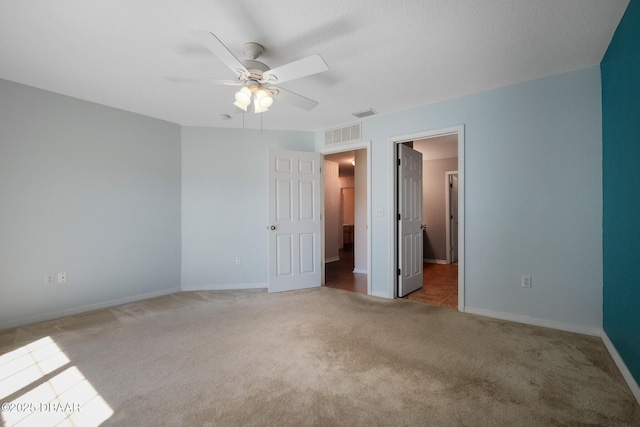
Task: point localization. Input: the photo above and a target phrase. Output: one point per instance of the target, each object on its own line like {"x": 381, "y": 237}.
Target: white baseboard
{"x": 435, "y": 261}
{"x": 381, "y": 294}
{"x": 596, "y": 332}
{"x": 85, "y": 308}
{"x": 626, "y": 374}
{"x": 359, "y": 271}
{"x": 225, "y": 287}
{"x": 332, "y": 259}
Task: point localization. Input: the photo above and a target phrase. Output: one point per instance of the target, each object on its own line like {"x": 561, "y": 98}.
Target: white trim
{"x": 359, "y": 271}
{"x": 85, "y": 308}
{"x": 435, "y": 261}
{"x": 226, "y": 287}
{"x": 366, "y": 145}
{"x": 339, "y": 148}
{"x": 393, "y": 141}
{"x": 626, "y": 374}
{"x": 596, "y": 332}
{"x": 332, "y": 259}
{"x": 381, "y": 294}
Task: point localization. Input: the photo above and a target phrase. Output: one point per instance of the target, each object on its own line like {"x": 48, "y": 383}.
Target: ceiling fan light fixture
{"x": 243, "y": 97}
{"x": 257, "y": 108}
{"x": 254, "y": 75}
{"x": 263, "y": 99}
{"x": 266, "y": 102}
{"x": 240, "y": 106}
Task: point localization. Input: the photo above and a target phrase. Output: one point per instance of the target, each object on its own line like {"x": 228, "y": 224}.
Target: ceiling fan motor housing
{"x": 252, "y": 50}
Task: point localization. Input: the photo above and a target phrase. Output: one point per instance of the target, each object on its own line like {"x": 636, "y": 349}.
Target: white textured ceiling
{"x": 383, "y": 54}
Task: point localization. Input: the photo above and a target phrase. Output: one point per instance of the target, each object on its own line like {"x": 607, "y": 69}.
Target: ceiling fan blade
{"x": 294, "y": 70}
{"x": 218, "y": 48}
{"x": 295, "y": 99}
{"x": 204, "y": 81}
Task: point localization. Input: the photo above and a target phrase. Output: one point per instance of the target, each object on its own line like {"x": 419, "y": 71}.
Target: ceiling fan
{"x": 258, "y": 81}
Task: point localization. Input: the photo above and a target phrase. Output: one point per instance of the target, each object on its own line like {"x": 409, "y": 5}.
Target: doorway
{"x": 346, "y": 234}
{"x": 440, "y": 270}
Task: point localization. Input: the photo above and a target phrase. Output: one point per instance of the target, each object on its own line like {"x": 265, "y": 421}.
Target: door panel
{"x": 283, "y": 200}
{"x": 283, "y": 255}
{"x": 409, "y": 224}
{"x": 306, "y": 204}
{"x": 307, "y": 255}
{"x": 294, "y": 220}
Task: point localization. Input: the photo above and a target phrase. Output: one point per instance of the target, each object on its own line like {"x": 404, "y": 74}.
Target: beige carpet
{"x": 317, "y": 357}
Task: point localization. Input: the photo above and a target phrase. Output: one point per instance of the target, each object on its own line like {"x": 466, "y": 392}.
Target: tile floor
{"x": 439, "y": 284}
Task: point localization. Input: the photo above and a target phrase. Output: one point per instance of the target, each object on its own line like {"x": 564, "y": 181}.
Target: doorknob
{"x": 423, "y": 226}
{"x": 273, "y": 227}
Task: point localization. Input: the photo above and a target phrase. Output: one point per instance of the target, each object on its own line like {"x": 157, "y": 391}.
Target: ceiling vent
{"x": 365, "y": 113}
{"x": 349, "y": 133}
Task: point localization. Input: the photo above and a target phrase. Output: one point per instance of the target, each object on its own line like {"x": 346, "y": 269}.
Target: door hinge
{"x": 399, "y": 272}
{"x": 320, "y": 169}
{"x": 399, "y": 162}
{"x": 399, "y": 217}
{"x": 450, "y": 185}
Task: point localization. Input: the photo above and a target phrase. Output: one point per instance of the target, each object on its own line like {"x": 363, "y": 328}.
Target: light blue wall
{"x": 97, "y": 192}
{"x": 224, "y": 204}
{"x": 621, "y": 182}
{"x": 533, "y": 195}
{"x": 85, "y": 189}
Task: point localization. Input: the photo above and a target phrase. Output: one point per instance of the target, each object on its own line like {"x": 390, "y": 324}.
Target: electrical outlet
{"x": 526, "y": 281}
{"x": 49, "y": 279}
{"x": 238, "y": 260}
{"x": 380, "y": 212}
{"x": 62, "y": 277}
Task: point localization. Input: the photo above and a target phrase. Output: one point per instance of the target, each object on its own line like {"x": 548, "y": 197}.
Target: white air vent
{"x": 364, "y": 113}
{"x": 349, "y": 133}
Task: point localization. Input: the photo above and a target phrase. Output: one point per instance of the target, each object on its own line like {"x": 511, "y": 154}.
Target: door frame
{"x": 447, "y": 208}
{"x": 393, "y": 205}
{"x": 360, "y": 145}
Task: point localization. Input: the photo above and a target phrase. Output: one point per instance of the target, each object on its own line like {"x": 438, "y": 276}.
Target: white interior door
{"x": 410, "y": 220}
{"x": 294, "y": 220}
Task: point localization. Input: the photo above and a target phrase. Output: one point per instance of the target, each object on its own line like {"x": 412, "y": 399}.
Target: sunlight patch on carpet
{"x": 45, "y": 389}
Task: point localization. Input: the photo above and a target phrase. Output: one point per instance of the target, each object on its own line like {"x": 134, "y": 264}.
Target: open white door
{"x": 294, "y": 220}
{"x": 409, "y": 220}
